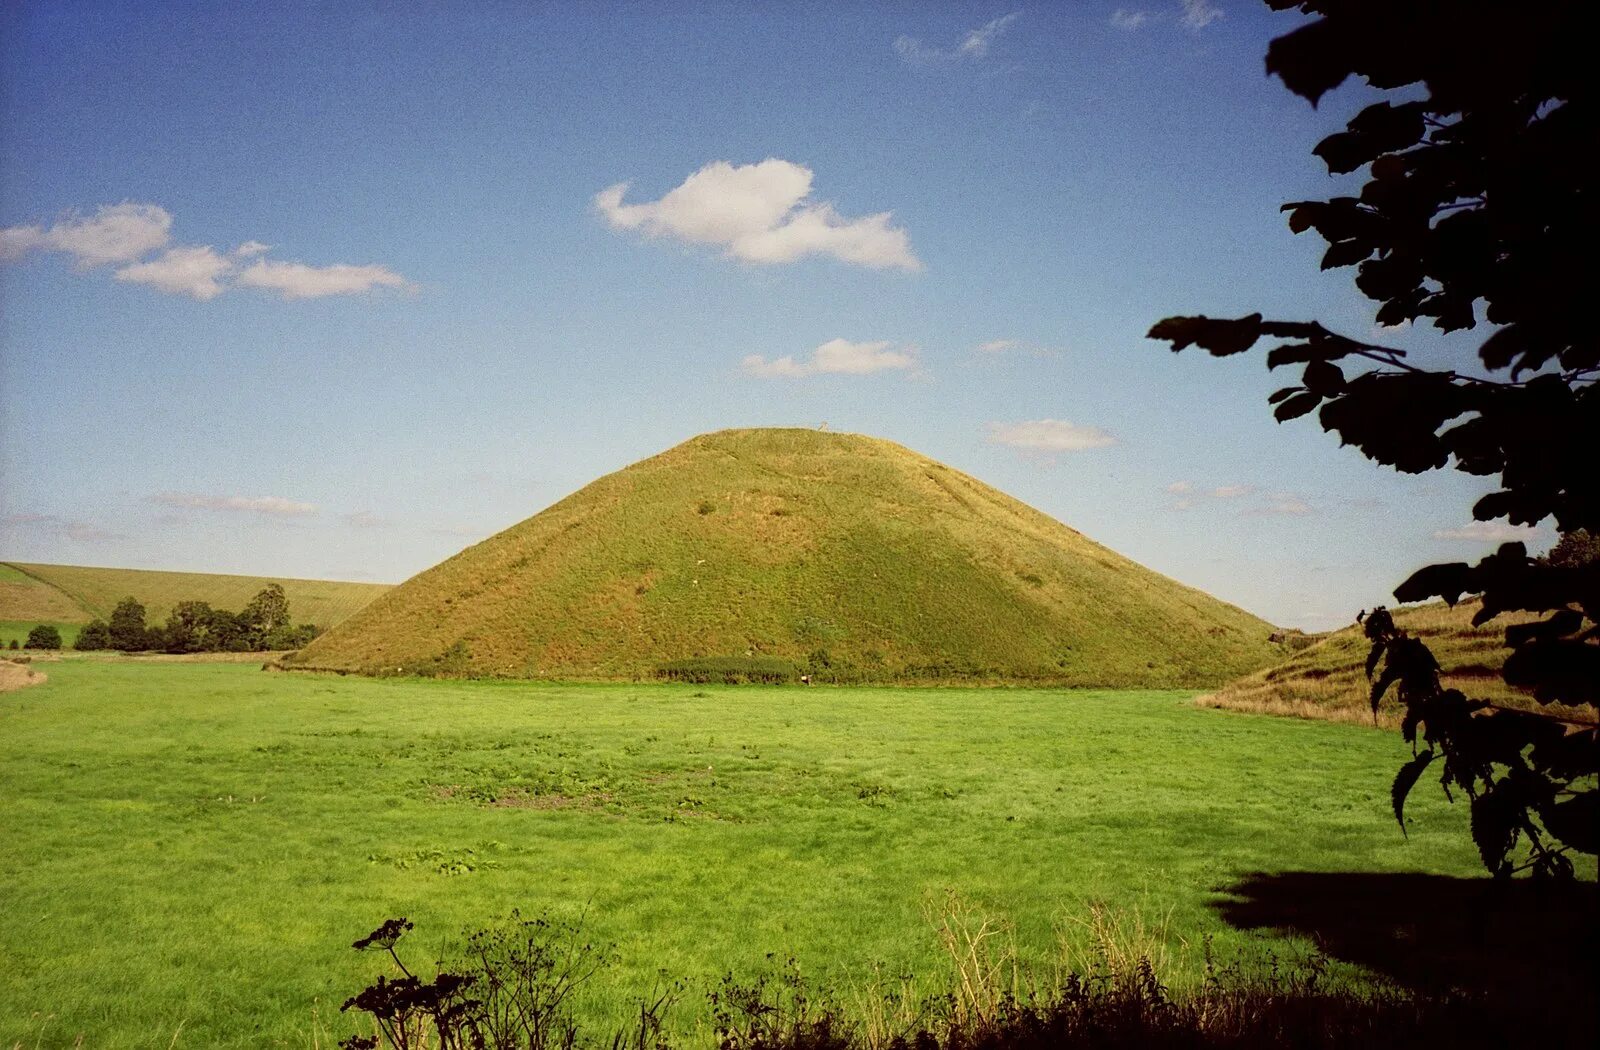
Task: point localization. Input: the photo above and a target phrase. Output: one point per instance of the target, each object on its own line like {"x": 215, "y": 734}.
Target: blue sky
{"x": 333, "y": 290}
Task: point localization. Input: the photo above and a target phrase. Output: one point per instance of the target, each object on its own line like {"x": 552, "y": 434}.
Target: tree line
{"x": 195, "y": 627}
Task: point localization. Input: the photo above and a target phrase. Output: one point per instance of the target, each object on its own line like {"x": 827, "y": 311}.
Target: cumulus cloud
{"x": 182, "y": 271}
{"x": 1049, "y": 435}
{"x": 1197, "y": 14}
{"x": 1488, "y": 532}
{"x": 760, "y": 213}
{"x": 1122, "y": 18}
{"x": 835, "y": 357}
{"x": 972, "y": 46}
{"x": 268, "y": 506}
{"x": 128, "y": 235}
{"x": 299, "y": 281}
{"x": 115, "y": 233}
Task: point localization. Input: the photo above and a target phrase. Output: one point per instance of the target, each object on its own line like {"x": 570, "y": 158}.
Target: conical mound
{"x": 846, "y": 556}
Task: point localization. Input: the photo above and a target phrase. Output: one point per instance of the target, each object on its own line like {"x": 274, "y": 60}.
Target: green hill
{"x": 848, "y": 556}
{"x": 1326, "y": 678}
{"x": 72, "y": 595}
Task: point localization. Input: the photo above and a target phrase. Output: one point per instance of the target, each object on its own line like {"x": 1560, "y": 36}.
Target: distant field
{"x": 1328, "y": 679}
{"x": 194, "y": 845}
{"x": 76, "y": 594}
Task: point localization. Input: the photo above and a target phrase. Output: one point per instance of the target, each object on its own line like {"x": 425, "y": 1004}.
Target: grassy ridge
{"x": 274, "y": 818}
{"x": 826, "y": 550}
{"x": 76, "y": 594}
{"x": 1327, "y": 679}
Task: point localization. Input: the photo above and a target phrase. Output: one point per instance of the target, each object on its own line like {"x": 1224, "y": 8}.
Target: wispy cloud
{"x": 130, "y": 235}
{"x": 1192, "y": 495}
{"x": 760, "y": 213}
{"x": 299, "y": 281}
{"x": 1122, "y": 18}
{"x": 995, "y": 346}
{"x": 1197, "y": 14}
{"x": 77, "y": 531}
{"x": 1281, "y": 505}
{"x": 1231, "y": 491}
{"x": 973, "y": 45}
{"x": 1049, "y": 435}
{"x": 268, "y": 506}
{"x": 1488, "y": 532}
{"x": 362, "y": 519}
{"x": 115, "y": 233}
{"x": 194, "y": 272}
{"x": 835, "y": 357}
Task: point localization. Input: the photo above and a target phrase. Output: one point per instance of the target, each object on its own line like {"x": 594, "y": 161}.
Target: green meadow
{"x": 188, "y": 849}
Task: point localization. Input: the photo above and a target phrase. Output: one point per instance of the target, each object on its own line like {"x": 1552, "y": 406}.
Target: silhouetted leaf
{"x": 1448, "y": 581}
{"x": 1324, "y": 377}
{"x": 1281, "y": 393}
{"x": 1494, "y": 827}
{"x": 1576, "y": 822}
{"x": 1345, "y": 253}
{"x": 1403, "y": 783}
{"x": 1297, "y": 406}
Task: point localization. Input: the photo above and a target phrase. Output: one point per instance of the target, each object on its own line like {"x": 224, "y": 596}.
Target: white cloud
{"x": 995, "y": 346}
{"x": 116, "y": 233}
{"x": 1281, "y": 506}
{"x": 1231, "y": 491}
{"x": 1197, "y": 14}
{"x": 271, "y": 506}
{"x": 835, "y": 357}
{"x": 974, "y": 44}
{"x": 1122, "y": 18}
{"x": 300, "y": 281}
{"x": 1049, "y": 435}
{"x": 182, "y": 271}
{"x": 127, "y": 234}
{"x": 1488, "y": 532}
{"x": 759, "y": 213}
{"x": 1179, "y": 488}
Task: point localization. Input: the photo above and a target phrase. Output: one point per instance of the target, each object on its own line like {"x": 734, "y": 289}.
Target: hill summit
{"x": 849, "y": 557}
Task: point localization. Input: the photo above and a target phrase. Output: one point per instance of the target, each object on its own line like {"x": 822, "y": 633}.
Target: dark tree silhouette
{"x": 1479, "y": 204}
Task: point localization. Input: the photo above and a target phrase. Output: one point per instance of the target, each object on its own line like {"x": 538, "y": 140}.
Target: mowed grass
{"x": 79, "y": 593}
{"x": 193, "y": 846}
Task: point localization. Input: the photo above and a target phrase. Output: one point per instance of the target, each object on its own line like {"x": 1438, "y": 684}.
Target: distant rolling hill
{"x": 1327, "y": 677}
{"x": 72, "y": 595}
{"x": 846, "y": 555}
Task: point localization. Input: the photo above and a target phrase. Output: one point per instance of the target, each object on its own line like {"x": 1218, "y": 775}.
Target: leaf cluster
{"x": 1478, "y": 203}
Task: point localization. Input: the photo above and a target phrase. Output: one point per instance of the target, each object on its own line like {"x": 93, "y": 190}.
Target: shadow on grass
{"x": 1433, "y": 933}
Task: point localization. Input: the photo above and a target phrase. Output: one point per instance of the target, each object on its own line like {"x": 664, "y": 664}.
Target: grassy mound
{"x": 849, "y": 557}
{"x": 71, "y": 595}
{"x": 1326, "y": 677}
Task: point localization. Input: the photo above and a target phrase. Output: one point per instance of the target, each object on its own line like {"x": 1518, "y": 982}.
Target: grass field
{"x": 194, "y": 845}
{"x": 75, "y": 594}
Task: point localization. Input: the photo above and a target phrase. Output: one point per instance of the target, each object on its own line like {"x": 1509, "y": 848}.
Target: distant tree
{"x": 1480, "y": 190}
{"x": 13, "y": 643}
{"x": 44, "y": 636}
{"x": 127, "y": 629}
{"x": 292, "y": 637}
{"x": 1575, "y": 550}
{"x": 93, "y": 636}
{"x": 188, "y": 628}
{"x": 230, "y": 632}
{"x": 268, "y": 611}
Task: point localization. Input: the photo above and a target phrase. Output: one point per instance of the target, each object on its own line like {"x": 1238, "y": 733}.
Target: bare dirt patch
{"x": 17, "y": 676}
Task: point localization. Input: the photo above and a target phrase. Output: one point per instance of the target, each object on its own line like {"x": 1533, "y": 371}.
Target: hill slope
{"x": 849, "y": 555}
{"x": 1327, "y": 679}
{"x": 70, "y": 595}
